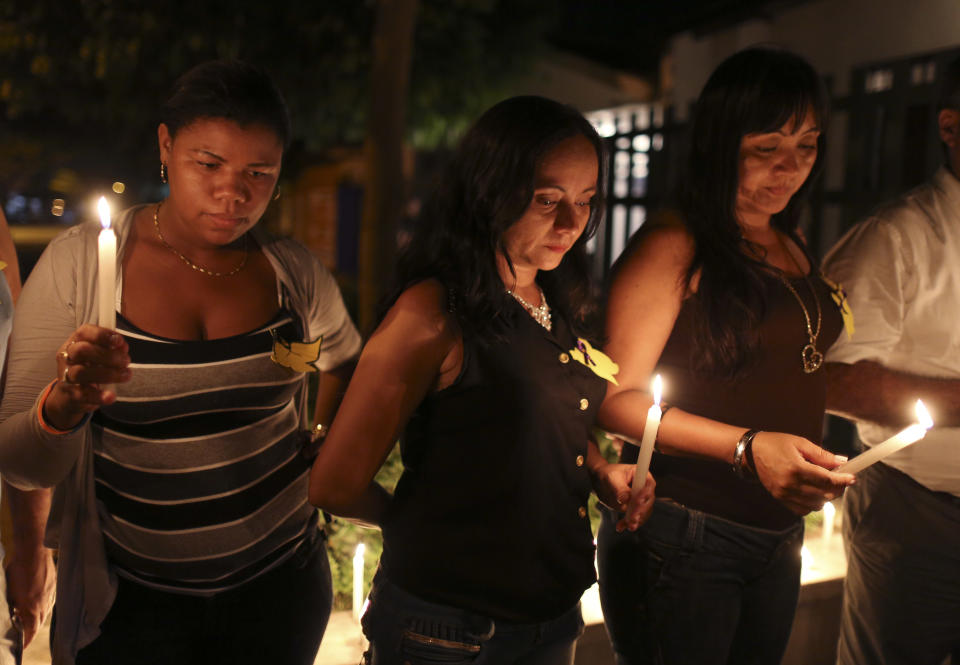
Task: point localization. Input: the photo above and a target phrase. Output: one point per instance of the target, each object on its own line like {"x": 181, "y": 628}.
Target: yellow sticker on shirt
{"x": 298, "y": 356}
{"x": 595, "y": 360}
{"x": 840, "y": 298}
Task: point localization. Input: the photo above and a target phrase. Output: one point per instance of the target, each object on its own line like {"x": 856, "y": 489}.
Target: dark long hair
{"x": 486, "y": 187}
{"x": 753, "y": 91}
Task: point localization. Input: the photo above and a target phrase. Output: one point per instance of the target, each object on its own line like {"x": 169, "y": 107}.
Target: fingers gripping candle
{"x": 901, "y": 440}
{"x": 106, "y": 268}
{"x": 649, "y": 437}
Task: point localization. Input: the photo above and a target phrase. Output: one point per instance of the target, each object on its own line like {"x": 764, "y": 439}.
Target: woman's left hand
{"x": 797, "y": 472}
{"x": 613, "y": 484}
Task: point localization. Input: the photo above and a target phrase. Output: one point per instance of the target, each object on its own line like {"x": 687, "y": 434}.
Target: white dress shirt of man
{"x": 901, "y": 271}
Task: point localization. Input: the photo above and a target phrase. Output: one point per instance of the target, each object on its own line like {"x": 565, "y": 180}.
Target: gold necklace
{"x": 811, "y": 358}
{"x": 212, "y": 273}
{"x": 540, "y": 314}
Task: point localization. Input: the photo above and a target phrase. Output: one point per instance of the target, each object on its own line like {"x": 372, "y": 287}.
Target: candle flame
{"x": 104, "y": 209}
{"x": 923, "y": 416}
{"x": 358, "y": 554}
{"x": 657, "y": 389}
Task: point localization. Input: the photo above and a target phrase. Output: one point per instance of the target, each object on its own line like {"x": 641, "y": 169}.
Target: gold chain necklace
{"x": 212, "y": 273}
{"x": 811, "y": 358}
{"x": 540, "y": 314}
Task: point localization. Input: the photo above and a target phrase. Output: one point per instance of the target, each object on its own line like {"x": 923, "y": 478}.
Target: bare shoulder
{"x": 664, "y": 248}
{"x": 427, "y": 299}
{"x": 422, "y": 307}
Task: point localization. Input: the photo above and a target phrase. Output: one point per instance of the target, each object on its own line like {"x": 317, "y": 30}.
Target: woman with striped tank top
{"x": 174, "y": 442}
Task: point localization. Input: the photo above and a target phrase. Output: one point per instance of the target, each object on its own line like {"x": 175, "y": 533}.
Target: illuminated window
{"x": 879, "y": 80}
{"x": 638, "y": 215}
{"x": 618, "y": 231}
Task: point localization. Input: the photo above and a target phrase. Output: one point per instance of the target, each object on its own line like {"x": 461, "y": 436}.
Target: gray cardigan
{"x": 59, "y": 296}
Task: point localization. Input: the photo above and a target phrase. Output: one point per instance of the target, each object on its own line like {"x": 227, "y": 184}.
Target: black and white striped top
{"x": 200, "y": 479}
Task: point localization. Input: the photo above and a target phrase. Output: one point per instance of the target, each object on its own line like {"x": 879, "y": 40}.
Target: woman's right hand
{"x": 796, "y": 471}
{"x": 90, "y": 359}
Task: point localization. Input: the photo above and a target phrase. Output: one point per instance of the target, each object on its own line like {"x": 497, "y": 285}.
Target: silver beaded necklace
{"x": 540, "y": 314}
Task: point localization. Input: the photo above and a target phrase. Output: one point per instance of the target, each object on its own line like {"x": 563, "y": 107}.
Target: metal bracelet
{"x": 745, "y": 441}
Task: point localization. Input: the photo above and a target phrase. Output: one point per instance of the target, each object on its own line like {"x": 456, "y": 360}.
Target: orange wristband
{"x": 47, "y": 427}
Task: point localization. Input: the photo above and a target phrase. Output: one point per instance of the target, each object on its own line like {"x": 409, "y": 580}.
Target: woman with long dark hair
{"x": 723, "y": 300}
{"x": 175, "y": 443}
{"x": 483, "y": 366}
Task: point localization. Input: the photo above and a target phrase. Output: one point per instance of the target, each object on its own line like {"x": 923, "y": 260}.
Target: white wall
{"x": 581, "y": 83}
{"x": 834, "y": 35}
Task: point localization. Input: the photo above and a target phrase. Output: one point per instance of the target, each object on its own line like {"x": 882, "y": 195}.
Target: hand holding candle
{"x": 649, "y": 437}
{"x": 910, "y": 435}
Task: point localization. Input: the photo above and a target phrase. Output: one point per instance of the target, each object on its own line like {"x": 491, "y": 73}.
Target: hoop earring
{"x": 163, "y": 173}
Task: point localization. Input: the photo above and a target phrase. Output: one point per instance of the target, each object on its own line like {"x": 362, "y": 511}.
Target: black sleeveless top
{"x": 490, "y": 512}
{"x": 772, "y": 394}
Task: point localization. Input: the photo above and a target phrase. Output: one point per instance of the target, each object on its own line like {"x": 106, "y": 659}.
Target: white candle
{"x": 829, "y": 513}
{"x": 649, "y": 437}
{"x": 806, "y": 558}
{"x": 901, "y": 440}
{"x": 106, "y": 268}
{"x": 358, "y": 580}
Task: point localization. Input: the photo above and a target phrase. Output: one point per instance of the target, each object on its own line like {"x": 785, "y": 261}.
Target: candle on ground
{"x": 649, "y": 437}
{"x": 829, "y": 513}
{"x": 358, "y": 580}
{"x": 899, "y": 441}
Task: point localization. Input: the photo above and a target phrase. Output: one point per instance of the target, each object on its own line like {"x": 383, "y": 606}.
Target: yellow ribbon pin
{"x": 298, "y": 356}
{"x": 840, "y": 298}
{"x": 597, "y": 361}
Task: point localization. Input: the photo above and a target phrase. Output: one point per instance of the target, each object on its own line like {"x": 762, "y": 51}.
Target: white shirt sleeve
{"x": 873, "y": 264}
{"x": 328, "y": 317}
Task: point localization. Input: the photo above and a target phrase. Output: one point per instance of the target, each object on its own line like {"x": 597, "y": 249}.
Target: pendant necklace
{"x": 811, "y": 358}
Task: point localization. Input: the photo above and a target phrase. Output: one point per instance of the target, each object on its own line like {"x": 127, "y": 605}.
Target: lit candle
{"x": 829, "y": 513}
{"x": 358, "y": 580}
{"x": 649, "y": 437}
{"x": 106, "y": 268}
{"x": 806, "y": 558}
{"x": 911, "y": 434}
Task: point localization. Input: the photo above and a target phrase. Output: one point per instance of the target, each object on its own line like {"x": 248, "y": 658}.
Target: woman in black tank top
{"x": 723, "y": 301}
{"x": 481, "y": 364}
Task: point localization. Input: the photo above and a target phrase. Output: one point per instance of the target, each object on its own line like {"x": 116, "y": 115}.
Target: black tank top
{"x": 772, "y": 394}
{"x": 490, "y": 512}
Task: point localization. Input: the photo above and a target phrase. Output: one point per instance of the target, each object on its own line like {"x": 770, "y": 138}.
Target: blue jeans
{"x": 406, "y": 630}
{"x": 690, "y": 588}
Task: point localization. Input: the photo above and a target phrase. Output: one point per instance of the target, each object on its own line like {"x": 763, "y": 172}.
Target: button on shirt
{"x": 901, "y": 271}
